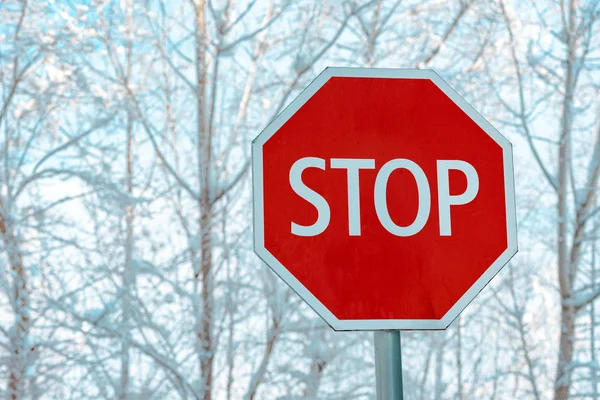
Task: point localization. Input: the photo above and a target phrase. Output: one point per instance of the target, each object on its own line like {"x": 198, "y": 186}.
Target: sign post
{"x": 388, "y": 365}
{"x": 386, "y": 202}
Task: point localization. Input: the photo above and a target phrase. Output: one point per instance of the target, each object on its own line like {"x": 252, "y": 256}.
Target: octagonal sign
{"x": 383, "y": 199}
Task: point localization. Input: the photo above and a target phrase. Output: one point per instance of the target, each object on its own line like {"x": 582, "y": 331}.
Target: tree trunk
{"x": 423, "y": 385}
{"x": 567, "y": 335}
{"x": 439, "y": 366}
{"x": 204, "y": 158}
{"x": 565, "y": 268}
{"x": 20, "y": 347}
{"x": 128, "y": 277}
{"x": 459, "y": 371}
{"x": 314, "y": 379}
{"x": 593, "y": 371}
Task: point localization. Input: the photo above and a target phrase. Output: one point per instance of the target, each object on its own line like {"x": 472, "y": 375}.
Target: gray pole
{"x": 388, "y": 365}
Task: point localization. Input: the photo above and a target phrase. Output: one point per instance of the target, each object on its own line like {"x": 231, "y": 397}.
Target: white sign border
{"x": 301, "y": 290}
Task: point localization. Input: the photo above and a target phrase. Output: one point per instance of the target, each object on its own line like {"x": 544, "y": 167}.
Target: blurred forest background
{"x": 126, "y": 263}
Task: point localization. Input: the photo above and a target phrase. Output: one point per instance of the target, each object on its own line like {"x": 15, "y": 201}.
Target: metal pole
{"x": 388, "y": 365}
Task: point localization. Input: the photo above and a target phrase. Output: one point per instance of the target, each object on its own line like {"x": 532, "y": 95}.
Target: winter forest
{"x": 126, "y": 262}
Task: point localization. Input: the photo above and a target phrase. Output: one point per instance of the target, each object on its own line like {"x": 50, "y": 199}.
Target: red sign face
{"x": 383, "y": 199}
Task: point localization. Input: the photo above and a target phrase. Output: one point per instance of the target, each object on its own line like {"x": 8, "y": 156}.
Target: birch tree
{"x": 553, "y": 74}
{"x": 44, "y": 117}
{"x": 125, "y": 197}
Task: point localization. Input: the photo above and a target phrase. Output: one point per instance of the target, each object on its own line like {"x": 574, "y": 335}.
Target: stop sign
{"x": 383, "y": 199}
